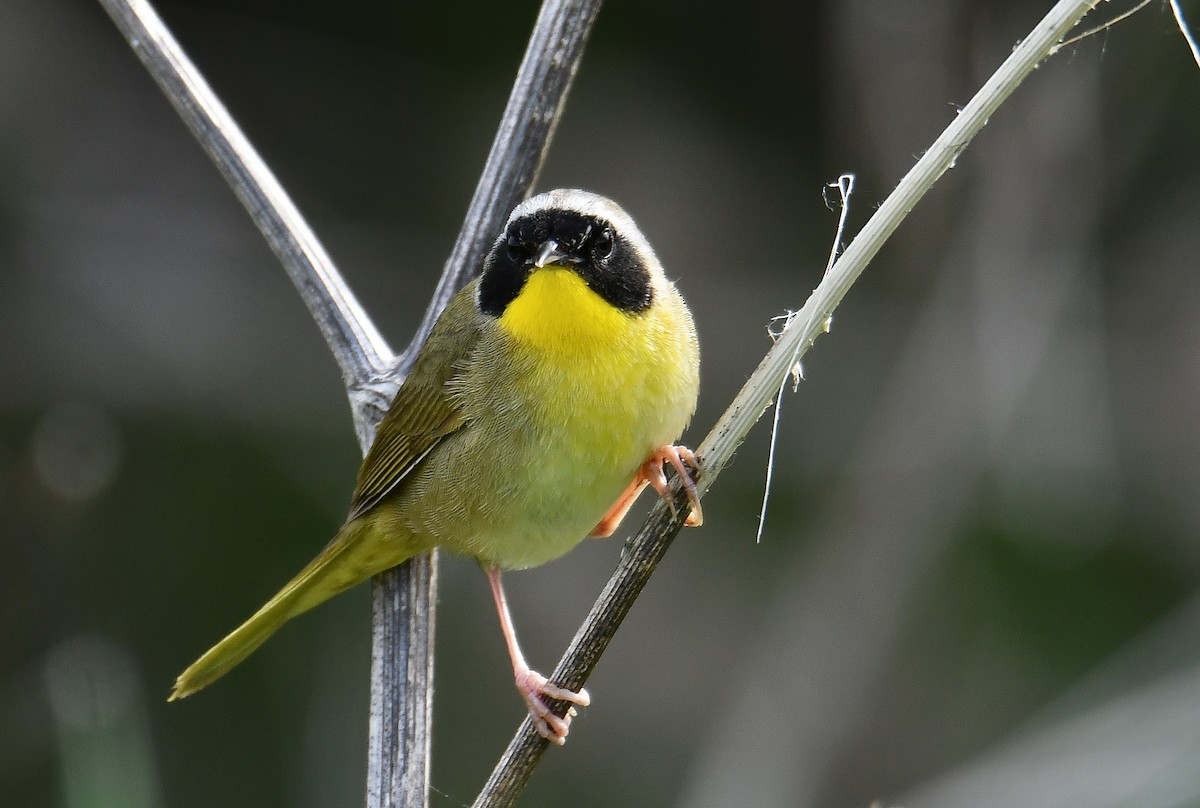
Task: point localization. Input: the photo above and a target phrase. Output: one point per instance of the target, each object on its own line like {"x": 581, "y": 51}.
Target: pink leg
{"x": 530, "y": 684}
{"x": 651, "y": 473}
{"x": 612, "y": 520}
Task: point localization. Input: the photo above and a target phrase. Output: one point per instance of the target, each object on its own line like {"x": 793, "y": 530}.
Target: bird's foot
{"x": 680, "y": 457}
{"x": 651, "y": 473}
{"x": 534, "y": 689}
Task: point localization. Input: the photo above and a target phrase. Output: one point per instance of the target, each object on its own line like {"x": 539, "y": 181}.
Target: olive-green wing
{"x": 423, "y": 411}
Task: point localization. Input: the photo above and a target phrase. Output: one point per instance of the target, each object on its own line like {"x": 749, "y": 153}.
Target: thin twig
{"x": 845, "y": 188}
{"x": 642, "y": 554}
{"x": 1104, "y": 26}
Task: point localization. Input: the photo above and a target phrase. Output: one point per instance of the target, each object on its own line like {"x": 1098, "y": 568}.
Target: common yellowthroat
{"x": 548, "y": 395}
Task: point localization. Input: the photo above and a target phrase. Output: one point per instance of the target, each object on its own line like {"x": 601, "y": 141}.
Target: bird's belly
{"x": 560, "y": 469}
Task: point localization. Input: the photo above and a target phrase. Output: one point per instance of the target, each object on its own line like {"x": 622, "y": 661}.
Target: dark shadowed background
{"x": 979, "y": 578}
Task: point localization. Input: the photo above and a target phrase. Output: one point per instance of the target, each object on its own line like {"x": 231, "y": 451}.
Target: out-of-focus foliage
{"x": 977, "y": 584}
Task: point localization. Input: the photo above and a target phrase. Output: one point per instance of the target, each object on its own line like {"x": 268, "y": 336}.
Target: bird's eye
{"x": 602, "y": 243}
{"x": 516, "y": 247}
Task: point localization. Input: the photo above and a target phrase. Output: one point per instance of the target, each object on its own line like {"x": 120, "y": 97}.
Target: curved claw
{"x": 533, "y": 688}
{"x": 677, "y": 456}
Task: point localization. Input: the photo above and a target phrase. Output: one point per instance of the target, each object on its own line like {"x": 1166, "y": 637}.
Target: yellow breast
{"x": 604, "y": 380}
{"x": 564, "y": 400}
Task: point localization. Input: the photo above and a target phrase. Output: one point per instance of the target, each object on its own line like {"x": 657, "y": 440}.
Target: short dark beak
{"x": 548, "y": 254}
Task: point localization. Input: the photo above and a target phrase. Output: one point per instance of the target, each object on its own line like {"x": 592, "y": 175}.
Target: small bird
{"x": 548, "y": 396}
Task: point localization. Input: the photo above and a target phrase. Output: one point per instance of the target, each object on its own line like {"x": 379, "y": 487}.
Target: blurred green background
{"x": 978, "y": 582}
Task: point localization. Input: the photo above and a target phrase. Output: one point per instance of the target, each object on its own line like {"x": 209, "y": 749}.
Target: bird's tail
{"x": 349, "y": 559}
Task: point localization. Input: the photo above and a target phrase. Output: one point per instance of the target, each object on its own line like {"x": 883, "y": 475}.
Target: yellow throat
{"x": 557, "y": 313}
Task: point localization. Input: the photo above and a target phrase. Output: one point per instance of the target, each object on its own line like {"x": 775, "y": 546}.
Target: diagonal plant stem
{"x": 647, "y": 548}
{"x": 403, "y": 599}
{"x": 358, "y": 347}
